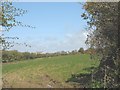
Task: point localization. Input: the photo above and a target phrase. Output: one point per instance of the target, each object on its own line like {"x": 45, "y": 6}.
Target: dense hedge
{"x": 14, "y": 55}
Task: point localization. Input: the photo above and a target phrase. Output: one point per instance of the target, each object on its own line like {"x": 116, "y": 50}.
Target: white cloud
{"x": 71, "y": 41}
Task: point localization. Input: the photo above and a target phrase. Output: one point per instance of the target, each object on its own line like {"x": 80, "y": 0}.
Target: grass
{"x": 58, "y": 68}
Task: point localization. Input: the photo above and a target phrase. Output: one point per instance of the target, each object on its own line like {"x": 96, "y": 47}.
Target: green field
{"x": 46, "y": 72}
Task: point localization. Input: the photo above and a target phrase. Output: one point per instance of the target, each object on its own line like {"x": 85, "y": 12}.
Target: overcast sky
{"x": 59, "y": 26}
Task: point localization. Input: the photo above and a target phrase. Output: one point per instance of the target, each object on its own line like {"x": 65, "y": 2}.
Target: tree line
{"x": 14, "y": 55}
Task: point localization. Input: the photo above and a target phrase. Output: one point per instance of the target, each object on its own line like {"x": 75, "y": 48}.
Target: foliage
{"x": 90, "y": 51}
{"x": 8, "y": 14}
{"x": 102, "y": 18}
{"x": 14, "y": 55}
{"x": 81, "y": 50}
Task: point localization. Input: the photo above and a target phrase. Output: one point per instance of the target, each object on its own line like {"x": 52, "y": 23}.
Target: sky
{"x": 58, "y": 27}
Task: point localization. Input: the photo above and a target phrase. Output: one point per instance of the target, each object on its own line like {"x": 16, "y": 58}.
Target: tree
{"x": 8, "y": 14}
{"x": 102, "y": 18}
{"x": 74, "y": 52}
{"x": 90, "y": 51}
{"x": 81, "y": 50}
